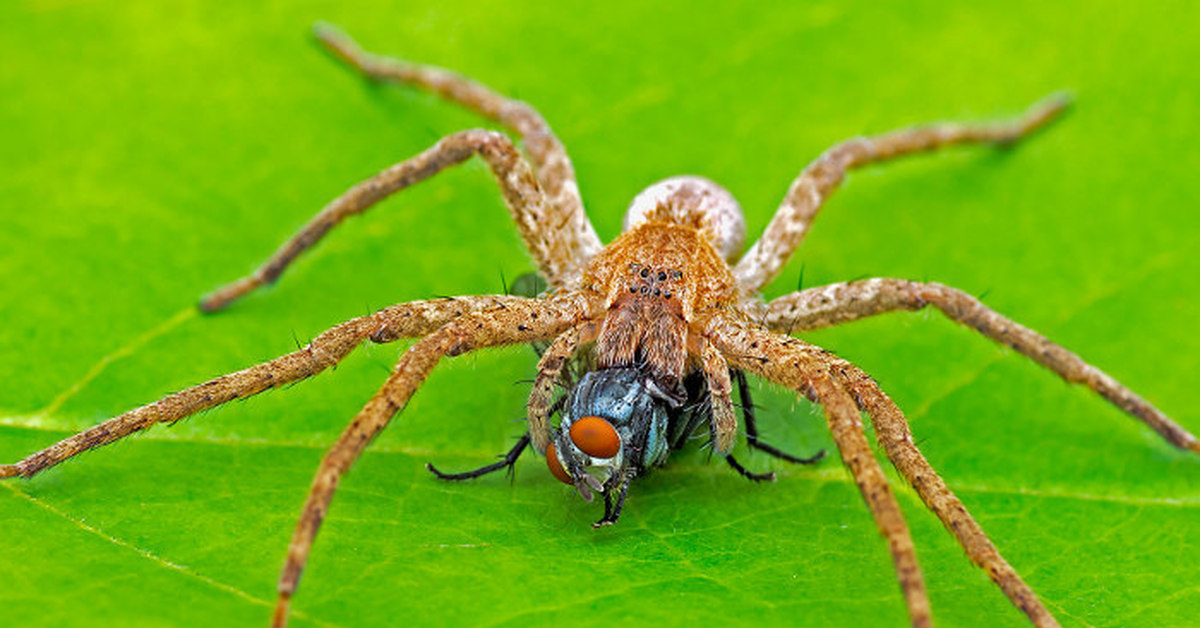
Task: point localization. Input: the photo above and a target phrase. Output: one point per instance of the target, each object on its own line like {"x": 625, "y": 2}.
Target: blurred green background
{"x": 152, "y": 151}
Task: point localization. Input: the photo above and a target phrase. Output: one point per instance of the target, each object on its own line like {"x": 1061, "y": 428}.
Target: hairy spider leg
{"x": 550, "y": 367}
{"x": 524, "y": 198}
{"x": 891, "y": 428}
{"x": 550, "y": 161}
{"x": 839, "y": 303}
{"x": 806, "y": 369}
{"x": 896, "y": 438}
{"x": 526, "y": 285}
{"x": 406, "y": 320}
{"x": 723, "y": 422}
{"x": 522, "y": 321}
{"x": 808, "y": 193}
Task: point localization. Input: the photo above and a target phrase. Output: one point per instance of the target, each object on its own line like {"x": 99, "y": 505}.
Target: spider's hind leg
{"x": 507, "y": 461}
{"x": 575, "y": 239}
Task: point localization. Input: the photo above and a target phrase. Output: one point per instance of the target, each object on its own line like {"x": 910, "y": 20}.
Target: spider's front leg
{"x": 406, "y": 320}
{"x": 549, "y": 370}
{"x": 844, "y": 302}
{"x": 894, "y": 434}
{"x": 522, "y": 321}
{"x": 807, "y": 369}
{"x": 723, "y": 421}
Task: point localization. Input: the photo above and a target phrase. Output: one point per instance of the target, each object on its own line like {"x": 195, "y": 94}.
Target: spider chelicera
{"x": 647, "y": 334}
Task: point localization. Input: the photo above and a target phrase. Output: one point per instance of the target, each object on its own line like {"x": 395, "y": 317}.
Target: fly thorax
{"x": 614, "y": 427}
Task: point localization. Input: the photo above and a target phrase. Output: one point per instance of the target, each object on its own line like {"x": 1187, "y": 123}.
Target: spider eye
{"x": 556, "y": 467}
{"x": 595, "y": 437}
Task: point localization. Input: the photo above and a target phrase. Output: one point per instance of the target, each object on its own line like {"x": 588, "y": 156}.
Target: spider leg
{"x": 507, "y": 461}
{"x": 843, "y": 302}
{"x": 405, "y": 320}
{"x": 551, "y": 252}
{"x": 549, "y": 369}
{"x": 523, "y": 321}
{"x": 806, "y": 368}
{"x": 893, "y": 433}
{"x": 752, "y": 426}
{"x": 551, "y": 163}
{"x": 723, "y": 423}
{"x": 819, "y": 179}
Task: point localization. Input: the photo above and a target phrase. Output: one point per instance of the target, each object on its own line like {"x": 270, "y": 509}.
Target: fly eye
{"x": 556, "y": 467}
{"x": 595, "y": 437}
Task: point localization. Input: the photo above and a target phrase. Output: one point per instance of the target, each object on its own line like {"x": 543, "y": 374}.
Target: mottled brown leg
{"x": 522, "y": 321}
{"x": 524, "y": 198}
{"x": 724, "y": 419}
{"x": 550, "y": 366}
{"x": 405, "y": 320}
{"x": 551, "y": 164}
{"x": 819, "y": 179}
{"x": 893, "y": 433}
{"x": 843, "y": 302}
{"x": 806, "y": 368}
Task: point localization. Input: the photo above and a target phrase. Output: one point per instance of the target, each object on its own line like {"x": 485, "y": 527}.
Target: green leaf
{"x": 154, "y": 151}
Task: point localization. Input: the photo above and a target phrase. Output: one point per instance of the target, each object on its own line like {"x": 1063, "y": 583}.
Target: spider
{"x": 647, "y": 335}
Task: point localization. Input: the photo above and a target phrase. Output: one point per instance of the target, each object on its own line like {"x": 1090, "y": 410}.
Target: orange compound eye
{"x": 595, "y": 437}
{"x": 556, "y": 467}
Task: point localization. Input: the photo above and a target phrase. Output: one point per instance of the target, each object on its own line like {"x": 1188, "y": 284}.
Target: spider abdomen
{"x": 695, "y": 202}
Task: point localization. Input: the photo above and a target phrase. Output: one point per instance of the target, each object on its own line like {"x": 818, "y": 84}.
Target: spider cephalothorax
{"x": 665, "y": 319}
